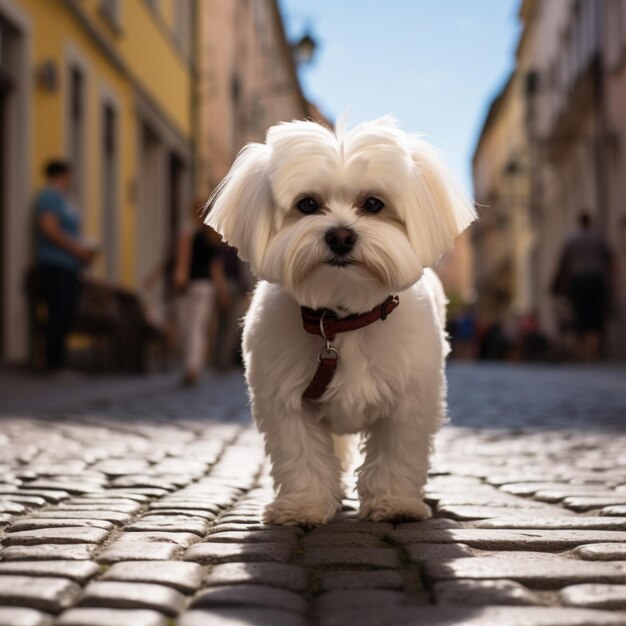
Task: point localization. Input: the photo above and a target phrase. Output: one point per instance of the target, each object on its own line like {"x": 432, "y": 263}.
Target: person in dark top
{"x": 60, "y": 255}
{"x": 584, "y": 276}
{"x": 200, "y": 276}
{"x": 240, "y": 282}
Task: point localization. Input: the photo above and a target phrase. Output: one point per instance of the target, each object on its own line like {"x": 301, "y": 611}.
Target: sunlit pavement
{"x": 137, "y": 503}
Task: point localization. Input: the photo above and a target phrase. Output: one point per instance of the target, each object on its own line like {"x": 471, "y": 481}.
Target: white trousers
{"x": 197, "y": 309}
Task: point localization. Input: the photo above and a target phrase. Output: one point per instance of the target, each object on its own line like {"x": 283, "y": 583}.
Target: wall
{"x": 247, "y": 81}
{"x": 140, "y": 64}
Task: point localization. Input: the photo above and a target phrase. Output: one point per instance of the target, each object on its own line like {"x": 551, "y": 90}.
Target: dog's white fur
{"x": 390, "y": 382}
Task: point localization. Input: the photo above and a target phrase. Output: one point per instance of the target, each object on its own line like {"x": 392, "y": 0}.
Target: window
{"x": 5, "y": 145}
{"x": 615, "y": 24}
{"x": 76, "y": 129}
{"x": 155, "y": 5}
{"x": 183, "y": 25}
{"x": 4, "y": 44}
{"x": 150, "y": 239}
{"x": 111, "y": 10}
{"x": 110, "y": 196}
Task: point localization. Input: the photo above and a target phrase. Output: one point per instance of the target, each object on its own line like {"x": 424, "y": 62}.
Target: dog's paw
{"x": 394, "y": 510}
{"x": 299, "y": 511}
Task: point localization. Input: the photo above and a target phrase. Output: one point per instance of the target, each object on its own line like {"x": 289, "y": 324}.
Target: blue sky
{"x": 434, "y": 64}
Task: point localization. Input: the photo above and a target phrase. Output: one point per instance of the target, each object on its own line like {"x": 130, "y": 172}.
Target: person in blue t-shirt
{"x": 60, "y": 255}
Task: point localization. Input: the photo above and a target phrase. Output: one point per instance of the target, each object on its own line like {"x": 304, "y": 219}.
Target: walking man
{"x": 584, "y": 276}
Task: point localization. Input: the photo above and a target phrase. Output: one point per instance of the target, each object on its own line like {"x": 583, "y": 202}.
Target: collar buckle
{"x": 392, "y": 302}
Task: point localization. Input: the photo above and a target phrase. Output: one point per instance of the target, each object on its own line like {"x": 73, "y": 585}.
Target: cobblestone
{"x": 71, "y": 552}
{"x": 338, "y": 556}
{"x": 178, "y": 538}
{"x": 221, "y": 527}
{"x": 341, "y": 599}
{"x": 467, "y": 512}
{"x": 487, "y": 539}
{"x": 212, "y": 553}
{"x": 484, "y": 593}
{"x": 55, "y": 535}
{"x": 185, "y": 577}
{"x": 284, "y": 576}
{"x": 602, "y": 552}
{"x": 595, "y": 596}
{"x": 617, "y": 510}
{"x": 534, "y": 568}
{"x": 111, "y": 617}
{"x": 345, "y": 540}
{"x": 79, "y": 571}
{"x": 573, "y": 522}
{"x": 110, "y": 506}
{"x": 588, "y": 503}
{"x": 250, "y": 595}
{"x": 241, "y": 617}
{"x": 471, "y": 616}
{"x": 147, "y": 511}
{"x": 43, "y": 524}
{"x": 266, "y": 536}
{"x": 136, "y": 551}
{"x": 61, "y": 514}
{"x": 125, "y": 595}
{"x": 23, "y": 617}
{"x": 437, "y": 551}
{"x": 172, "y": 523}
{"x": 359, "y": 579}
{"x": 46, "y": 594}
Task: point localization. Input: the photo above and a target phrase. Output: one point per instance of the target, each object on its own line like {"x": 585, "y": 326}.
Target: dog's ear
{"x": 240, "y": 208}
{"x": 440, "y": 210}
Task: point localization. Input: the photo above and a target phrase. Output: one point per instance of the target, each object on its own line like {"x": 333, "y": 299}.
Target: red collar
{"x": 314, "y": 320}
{"x": 326, "y": 324}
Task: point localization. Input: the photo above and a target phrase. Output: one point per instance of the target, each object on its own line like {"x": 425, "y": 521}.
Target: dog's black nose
{"x": 341, "y": 240}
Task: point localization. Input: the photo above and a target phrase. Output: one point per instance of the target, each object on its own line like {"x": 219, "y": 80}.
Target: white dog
{"x": 345, "y": 333}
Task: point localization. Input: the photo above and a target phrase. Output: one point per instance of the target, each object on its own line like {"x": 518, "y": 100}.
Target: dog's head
{"x": 339, "y": 220}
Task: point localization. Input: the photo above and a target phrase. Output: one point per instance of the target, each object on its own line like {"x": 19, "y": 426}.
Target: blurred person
{"x": 60, "y": 255}
{"x": 240, "y": 281}
{"x": 163, "y": 276}
{"x": 199, "y": 275}
{"x": 533, "y": 342}
{"x": 584, "y": 277}
{"x": 494, "y": 343}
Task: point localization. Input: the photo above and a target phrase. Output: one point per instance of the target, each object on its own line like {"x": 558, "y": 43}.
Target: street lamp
{"x": 304, "y": 49}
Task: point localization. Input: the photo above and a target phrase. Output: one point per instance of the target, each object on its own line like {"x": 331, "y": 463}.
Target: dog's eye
{"x": 373, "y": 205}
{"x": 308, "y": 205}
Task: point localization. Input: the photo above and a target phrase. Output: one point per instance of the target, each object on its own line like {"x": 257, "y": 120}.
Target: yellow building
{"x": 108, "y": 85}
{"x": 503, "y": 236}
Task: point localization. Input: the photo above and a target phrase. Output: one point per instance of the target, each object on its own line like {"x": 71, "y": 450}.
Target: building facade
{"x": 247, "y": 81}
{"x": 106, "y": 84}
{"x": 502, "y": 237}
{"x": 150, "y": 100}
{"x": 576, "y": 105}
{"x": 566, "y": 105}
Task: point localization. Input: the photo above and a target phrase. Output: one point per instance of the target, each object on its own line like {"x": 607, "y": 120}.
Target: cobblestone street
{"x": 141, "y": 504}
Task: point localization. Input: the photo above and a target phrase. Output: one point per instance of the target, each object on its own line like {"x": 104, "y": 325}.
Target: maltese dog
{"x": 346, "y": 330}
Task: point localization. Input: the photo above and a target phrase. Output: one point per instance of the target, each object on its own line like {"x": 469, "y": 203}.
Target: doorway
{"x": 110, "y": 209}
{"x": 6, "y": 84}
